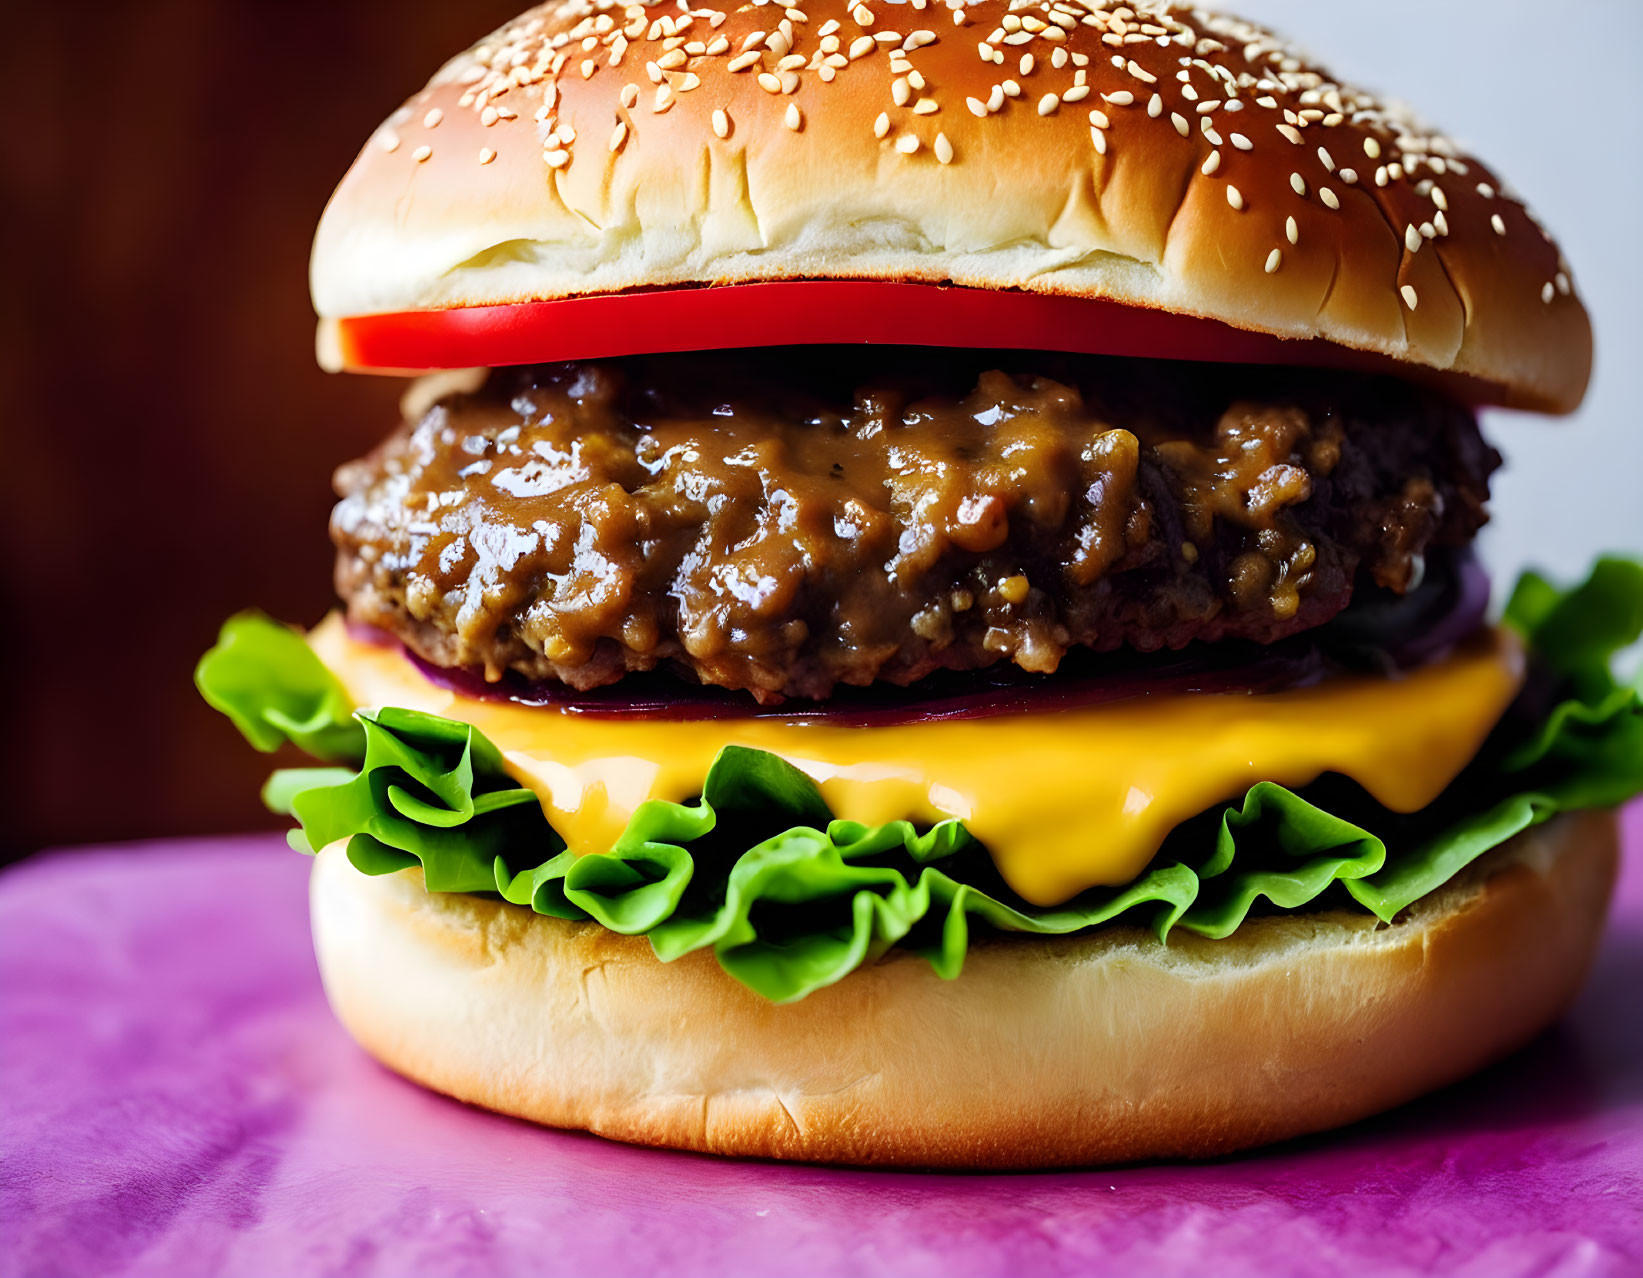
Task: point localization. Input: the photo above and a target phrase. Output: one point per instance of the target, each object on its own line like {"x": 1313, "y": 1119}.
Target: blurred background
{"x": 169, "y": 440}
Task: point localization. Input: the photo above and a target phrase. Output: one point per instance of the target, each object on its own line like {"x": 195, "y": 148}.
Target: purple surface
{"x": 175, "y": 1099}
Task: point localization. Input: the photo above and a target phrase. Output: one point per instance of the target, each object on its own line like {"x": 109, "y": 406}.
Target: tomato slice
{"x": 815, "y": 312}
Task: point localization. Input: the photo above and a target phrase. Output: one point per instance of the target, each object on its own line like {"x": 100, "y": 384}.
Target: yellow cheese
{"x": 1064, "y": 801}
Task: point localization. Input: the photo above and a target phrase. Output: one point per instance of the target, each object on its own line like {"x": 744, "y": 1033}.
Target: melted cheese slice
{"x": 1064, "y": 801}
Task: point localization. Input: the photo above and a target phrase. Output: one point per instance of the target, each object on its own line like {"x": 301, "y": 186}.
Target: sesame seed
{"x": 1141, "y": 73}
{"x": 1155, "y": 106}
{"x": 1441, "y": 222}
{"x": 1297, "y": 183}
{"x": 1372, "y": 148}
{"x": 1011, "y": 89}
{"x": 770, "y": 83}
{"x": 1486, "y": 191}
{"x": 1290, "y": 133}
{"x": 421, "y": 154}
{"x": 861, "y": 46}
{"x": 1349, "y": 176}
{"x": 1440, "y": 199}
{"x": 390, "y": 142}
{"x": 1292, "y": 232}
{"x": 1412, "y": 238}
{"x": 486, "y": 155}
{"x": 794, "y": 119}
{"x": 1048, "y": 103}
{"x": 978, "y": 108}
{"x": 1099, "y": 120}
{"x": 1098, "y": 140}
{"x": 907, "y": 144}
{"x": 488, "y": 116}
{"x": 1274, "y": 260}
{"x": 743, "y": 60}
{"x": 1122, "y": 98}
{"x": 432, "y": 119}
{"x": 1026, "y": 64}
{"x": 1547, "y": 293}
{"x": 618, "y": 135}
{"x": 1329, "y": 198}
{"x": 557, "y": 159}
{"x": 1240, "y": 141}
{"x": 881, "y": 126}
{"x": 630, "y": 95}
{"x": 900, "y": 91}
{"x": 1410, "y": 299}
{"x": 1180, "y": 123}
{"x": 1499, "y": 223}
{"x": 1235, "y": 197}
{"x": 944, "y": 149}
{"x": 862, "y": 16}
{"x": 721, "y": 123}
{"x": 1076, "y": 94}
{"x": 926, "y": 106}
{"x": 1211, "y": 164}
{"x": 1562, "y": 282}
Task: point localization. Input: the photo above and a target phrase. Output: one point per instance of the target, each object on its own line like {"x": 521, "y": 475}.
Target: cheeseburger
{"x": 921, "y": 610}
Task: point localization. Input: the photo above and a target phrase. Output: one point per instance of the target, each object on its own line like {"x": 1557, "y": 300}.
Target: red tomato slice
{"x": 816, "y": 312}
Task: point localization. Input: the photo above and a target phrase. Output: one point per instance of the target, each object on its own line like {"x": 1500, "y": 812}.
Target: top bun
{"x": 1150, "y": 154}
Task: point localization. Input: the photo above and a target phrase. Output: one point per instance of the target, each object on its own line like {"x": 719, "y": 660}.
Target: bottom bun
{"x": 1044, "y": 1052}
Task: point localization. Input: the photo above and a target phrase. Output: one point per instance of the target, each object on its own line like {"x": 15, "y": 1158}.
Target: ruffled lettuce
{"x": 790, "y": 899}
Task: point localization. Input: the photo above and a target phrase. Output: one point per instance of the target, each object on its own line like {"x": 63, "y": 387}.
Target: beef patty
{"x": 783, "y": 521}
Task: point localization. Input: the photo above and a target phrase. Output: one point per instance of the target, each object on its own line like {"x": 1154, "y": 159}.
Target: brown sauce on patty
{"x": 783, "y": 521}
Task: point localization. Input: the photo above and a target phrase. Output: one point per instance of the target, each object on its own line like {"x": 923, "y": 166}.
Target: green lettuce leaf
{"x": 789, "y": 899}
{"x": 267, "y": 680}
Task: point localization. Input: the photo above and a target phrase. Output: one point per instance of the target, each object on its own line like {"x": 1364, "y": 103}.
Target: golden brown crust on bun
{"x": 1172, "y": 158}
{"x": 1056, "y": 1052}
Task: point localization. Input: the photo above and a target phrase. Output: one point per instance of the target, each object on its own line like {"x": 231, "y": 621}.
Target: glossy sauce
{"x": 770, "y": 522}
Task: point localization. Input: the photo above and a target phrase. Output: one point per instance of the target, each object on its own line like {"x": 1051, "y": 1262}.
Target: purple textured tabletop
{"x": 175, "y": 1099}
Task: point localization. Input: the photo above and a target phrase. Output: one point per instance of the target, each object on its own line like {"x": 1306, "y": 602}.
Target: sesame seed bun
{"x": 1044, "y": 1052}
{"x": 589, "y": 148}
